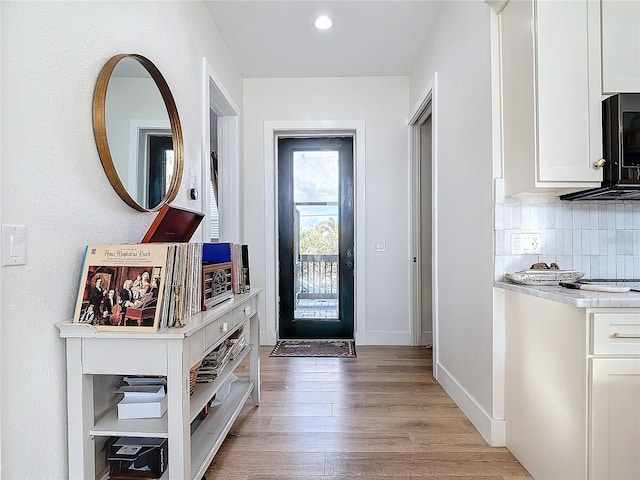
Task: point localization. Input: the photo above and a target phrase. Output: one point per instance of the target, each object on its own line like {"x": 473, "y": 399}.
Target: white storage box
{"x": 142, "y": 401}
{"x": 132, "y": 406}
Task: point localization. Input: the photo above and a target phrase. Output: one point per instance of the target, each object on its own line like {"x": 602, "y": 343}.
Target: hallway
{"x": 379, "y": 416}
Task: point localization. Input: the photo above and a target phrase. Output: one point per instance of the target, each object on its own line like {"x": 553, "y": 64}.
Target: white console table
{"x": 169, "y": 352}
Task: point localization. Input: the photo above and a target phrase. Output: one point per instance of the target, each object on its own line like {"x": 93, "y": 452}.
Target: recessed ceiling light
{"x": 323, "y": 22}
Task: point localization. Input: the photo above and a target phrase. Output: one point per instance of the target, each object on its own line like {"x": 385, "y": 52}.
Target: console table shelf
{"x": 171, "y": 353}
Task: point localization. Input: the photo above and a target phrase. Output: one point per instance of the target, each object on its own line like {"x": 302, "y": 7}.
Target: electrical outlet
{"x": 525, "y": 243}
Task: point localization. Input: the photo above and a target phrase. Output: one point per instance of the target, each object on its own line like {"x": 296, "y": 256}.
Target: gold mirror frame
{"x": 100, "y": 130}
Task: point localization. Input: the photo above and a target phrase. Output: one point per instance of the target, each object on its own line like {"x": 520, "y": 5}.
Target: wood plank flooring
{"x": 380, "y": 416}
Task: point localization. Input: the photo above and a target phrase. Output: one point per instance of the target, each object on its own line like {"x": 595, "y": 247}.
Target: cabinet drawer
{"x": 196, "y": 347}
{"x": 216, "y": 330}
{"x": 248, "y": 310}
{"x": 616, "y": 333}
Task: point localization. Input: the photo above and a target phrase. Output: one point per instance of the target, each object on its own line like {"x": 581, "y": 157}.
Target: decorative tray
{"x": 543, "y": 277}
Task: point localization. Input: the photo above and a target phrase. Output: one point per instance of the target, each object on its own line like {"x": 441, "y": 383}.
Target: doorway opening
{"x": 424, "y": 221}
{"x": 220, "y": 167}
{"x": 316, "y": 237}
{"x": 425, "y": 264}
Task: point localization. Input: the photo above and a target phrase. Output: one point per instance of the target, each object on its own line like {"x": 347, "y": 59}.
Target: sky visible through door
{"x": 316, "y": 187}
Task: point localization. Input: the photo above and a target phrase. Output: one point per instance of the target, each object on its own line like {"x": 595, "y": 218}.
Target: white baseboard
{"x": 492, "y": 430}
{"x": 383, "y": 338}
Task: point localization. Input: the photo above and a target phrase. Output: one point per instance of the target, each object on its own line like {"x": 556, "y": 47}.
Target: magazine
{"x": 122, "y": 286}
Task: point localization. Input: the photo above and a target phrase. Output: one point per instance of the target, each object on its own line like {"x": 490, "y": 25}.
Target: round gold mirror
{"x": 137, "y": 131}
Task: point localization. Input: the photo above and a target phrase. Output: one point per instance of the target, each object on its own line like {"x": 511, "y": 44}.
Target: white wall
{"x": 459, "y": 50}
{"x": 53, "y": 182}
{"x": 382, "y": 103}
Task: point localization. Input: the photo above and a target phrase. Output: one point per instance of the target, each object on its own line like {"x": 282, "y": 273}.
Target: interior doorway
{"x": 423, "y": 128}
{"x": 316, "y": 237}
{"x": 426, "y": 243}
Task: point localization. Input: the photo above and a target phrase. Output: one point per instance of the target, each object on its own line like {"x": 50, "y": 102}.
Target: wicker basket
{"x": 193, "y": 375}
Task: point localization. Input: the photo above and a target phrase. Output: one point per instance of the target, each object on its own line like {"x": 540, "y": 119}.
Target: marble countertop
{"x": 577, "y": 298}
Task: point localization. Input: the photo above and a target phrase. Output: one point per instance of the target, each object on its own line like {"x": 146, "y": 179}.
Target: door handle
{"x": 348, "y": 261}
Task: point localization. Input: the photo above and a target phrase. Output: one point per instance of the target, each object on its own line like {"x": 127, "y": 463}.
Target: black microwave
{"x": 621, "y": 151}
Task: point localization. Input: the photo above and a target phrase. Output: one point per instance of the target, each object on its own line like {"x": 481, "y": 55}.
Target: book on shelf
{"x": 139, "y": 287}
{"x": 215, "y": 362}
{"x": 184, "y": 283}
{"x": 122, "y": 287}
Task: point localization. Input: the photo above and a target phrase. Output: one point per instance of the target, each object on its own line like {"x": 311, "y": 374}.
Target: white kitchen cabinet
{"x": 169, "y": 352}
{"x": 545, "y": 387}
{"x": 572, "y": 389}
{"x": 620, "y": 46}
{"x": 551, "y": 97}
{"x": 614, "y": 433}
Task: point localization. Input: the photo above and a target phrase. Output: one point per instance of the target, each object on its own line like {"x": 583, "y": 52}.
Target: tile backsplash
{"x": 599, "y": 238}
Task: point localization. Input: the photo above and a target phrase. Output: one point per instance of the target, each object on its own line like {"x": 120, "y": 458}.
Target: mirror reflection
{"x": 138, "y": 132}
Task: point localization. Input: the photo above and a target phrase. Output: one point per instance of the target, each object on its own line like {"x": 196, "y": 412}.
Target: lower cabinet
{"x": 614, "y": 388}
{"x": 614, "y": 449}
{"x": 171, "y": 353}
{"x": 572, "y": 389}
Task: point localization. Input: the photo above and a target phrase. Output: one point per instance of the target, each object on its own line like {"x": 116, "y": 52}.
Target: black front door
{"x": 316, "y": 239}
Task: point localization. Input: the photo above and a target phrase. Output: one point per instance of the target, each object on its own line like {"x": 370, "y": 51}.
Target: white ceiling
{"x": 277, "y": 39}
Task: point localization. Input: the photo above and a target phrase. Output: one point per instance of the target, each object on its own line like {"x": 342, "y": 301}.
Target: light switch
{"x": 14, "y": 245}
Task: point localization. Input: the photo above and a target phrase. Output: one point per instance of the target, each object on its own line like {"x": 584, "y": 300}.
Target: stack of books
{"x": 237, "y": 342}
{"x": 213, "y": 364}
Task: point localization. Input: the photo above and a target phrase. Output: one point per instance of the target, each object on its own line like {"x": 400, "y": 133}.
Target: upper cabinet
{"x": 551, "y": 96}
{"x": 620, "y": 46}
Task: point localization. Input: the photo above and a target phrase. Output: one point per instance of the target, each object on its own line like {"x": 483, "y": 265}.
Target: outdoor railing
{"x": 317, "y": 276}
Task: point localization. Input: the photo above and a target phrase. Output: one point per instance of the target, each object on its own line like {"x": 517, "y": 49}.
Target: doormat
{"x": 315, "y": 348}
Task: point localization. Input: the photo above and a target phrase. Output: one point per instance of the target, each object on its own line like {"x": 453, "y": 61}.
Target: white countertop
{"x": 577, "y": 298}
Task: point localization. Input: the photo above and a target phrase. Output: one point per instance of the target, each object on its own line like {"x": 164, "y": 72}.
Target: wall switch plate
{"x": 526, "y": 243}
{"x": 14, "y": 245}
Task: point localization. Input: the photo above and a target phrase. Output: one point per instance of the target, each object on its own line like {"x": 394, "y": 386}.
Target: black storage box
{"x": 137, "y": 455}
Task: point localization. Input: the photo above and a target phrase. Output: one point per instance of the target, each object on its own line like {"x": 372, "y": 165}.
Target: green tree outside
{"x": 321, "y": 239}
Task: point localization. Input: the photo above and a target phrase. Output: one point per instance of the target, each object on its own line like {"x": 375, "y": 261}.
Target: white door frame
{"x": 427, "y": 101}
{"x": 272, "y": 131}
{"x": 218, "y": 99}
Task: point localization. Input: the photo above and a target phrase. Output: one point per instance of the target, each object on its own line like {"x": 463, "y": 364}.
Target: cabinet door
{"x": 551, "y": 103}
{"x": 620, "y": 46}
{"x": 615, "y": 419}
{"x": 569, "y": 107}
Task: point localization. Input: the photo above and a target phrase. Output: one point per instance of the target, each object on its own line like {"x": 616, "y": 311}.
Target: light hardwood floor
{"x": 379, "y": 416}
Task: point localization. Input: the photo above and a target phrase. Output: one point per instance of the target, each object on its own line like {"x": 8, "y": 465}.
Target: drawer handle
{"x": 625, "y": 335}
{"x": 224, "y": 327}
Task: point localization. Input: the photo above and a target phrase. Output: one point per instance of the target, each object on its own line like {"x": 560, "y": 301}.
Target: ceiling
{"x": 277, "y": 39}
